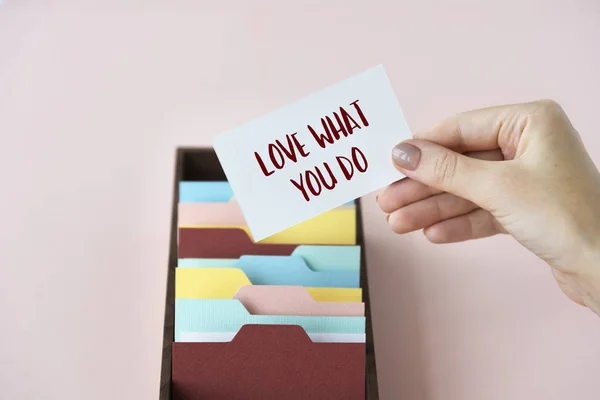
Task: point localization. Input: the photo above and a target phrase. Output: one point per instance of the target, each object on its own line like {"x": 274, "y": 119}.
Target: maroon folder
{"x": 225, "y": 243}
{"x": 269, "y": 362}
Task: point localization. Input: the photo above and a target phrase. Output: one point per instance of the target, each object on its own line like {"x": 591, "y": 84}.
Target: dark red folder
{"x": 269, "y": 362}
{"x": 225, "y": 243}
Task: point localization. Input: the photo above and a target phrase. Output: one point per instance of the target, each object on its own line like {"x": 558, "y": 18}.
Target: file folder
{"x": 334, "y": 227}
{"x": 216, "y": 337}
{"x": 317, "y": 258}
{"x": 221, "y": 315}
{"x": 205, "y": 191}
{"x": 229, "y": 214}
{"x": 295, "y": 367}
{"x": 223, "y": 283}
{"x": 293, "y": 300}
{"x": 208, "y": 192}
{"x": 290, "y": 270}
{"x": 225, "y": 243}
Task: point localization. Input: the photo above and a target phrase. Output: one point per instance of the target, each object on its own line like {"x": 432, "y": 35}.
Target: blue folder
{"x": 229, "y": 315}
{"x": 281, "y": 270}
{"x": 208, "y": 192}
{"x": 318, "y": 258}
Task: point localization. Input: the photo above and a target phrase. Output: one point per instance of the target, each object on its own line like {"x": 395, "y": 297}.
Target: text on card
{"x": 342, "y": 123}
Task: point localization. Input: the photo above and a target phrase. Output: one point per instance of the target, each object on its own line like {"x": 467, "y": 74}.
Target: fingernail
{"x": 406, "y": 156}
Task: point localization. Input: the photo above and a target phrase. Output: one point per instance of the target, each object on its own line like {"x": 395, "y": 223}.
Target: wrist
{"x": 589, "y": 276}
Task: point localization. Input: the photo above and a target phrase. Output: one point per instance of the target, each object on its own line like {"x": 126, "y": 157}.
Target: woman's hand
{"x": 518, "y": 169}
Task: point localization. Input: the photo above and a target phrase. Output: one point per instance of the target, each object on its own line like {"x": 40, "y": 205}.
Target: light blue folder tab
{"x": 317, "y": 258}
{"x": 208, "y": 192}
{"x": 205, "y": 192}
{"x": 229, "y": 315}
{"x": 287, "y": 270}
{"x": 329, "y": 258}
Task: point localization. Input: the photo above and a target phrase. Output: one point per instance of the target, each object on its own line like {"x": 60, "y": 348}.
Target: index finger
{"x": 480, "y": 130}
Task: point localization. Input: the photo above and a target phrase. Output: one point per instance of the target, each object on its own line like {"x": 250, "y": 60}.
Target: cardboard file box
{"x": 201, "y": 164}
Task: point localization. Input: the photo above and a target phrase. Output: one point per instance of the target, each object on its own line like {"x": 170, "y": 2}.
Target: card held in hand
{"x": 315, "y": 154}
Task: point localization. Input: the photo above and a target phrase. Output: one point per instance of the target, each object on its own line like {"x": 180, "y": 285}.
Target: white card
{"x": 314, "y": 154}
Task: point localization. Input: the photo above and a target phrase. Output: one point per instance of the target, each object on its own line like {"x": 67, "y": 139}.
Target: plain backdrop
{"x": 95, "y": 96}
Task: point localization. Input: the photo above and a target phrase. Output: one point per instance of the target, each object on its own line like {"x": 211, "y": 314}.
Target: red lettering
{"x": 291, "y": 154}
{"x": 309, "y": 181}
{"x": 341, "y": 128}
{"x": 321, "y": 138}
{"x": 299, "y": 146}
{"x": 301, "y": 188}
{"x": 347, "y": 119}
{"x": 347, "y": 174}
{"x": 262, "y": 165}
{"x": 309, "y": 175}
{"x": 335, "y": 127}
{"x": 313, "y": 182}
{"x": 290, "y": 150}
{"x": 355, "y": 152}
{"x": 360, "y": 113}
{"x": 331, "y": 185}
{"x": 274, "y": 150}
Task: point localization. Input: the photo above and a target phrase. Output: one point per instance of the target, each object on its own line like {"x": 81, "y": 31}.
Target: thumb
{"x": 446, "y": 170}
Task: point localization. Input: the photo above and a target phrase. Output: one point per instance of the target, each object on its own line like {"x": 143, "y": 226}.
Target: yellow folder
{"x": 223, "y": 283}
{"x": 337, "y": 226}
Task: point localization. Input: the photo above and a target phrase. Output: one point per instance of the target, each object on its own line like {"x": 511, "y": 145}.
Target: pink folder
{"x": 292, "y": 300}
{"x": 210, "y": 214}
{"x": 222, "y": 214}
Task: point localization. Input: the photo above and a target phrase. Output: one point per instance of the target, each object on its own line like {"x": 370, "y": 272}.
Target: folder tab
{"x": 283, "y": 358}
{"x": 337, "y": 226}
{"x": 317, "y": 258}
{"x": 228, "y": 214}
{"x": 209, "y": 192}
{"x": 220, "y": 315}
{"x": 223, "y": 283}
{"x": 330, "y": 257}
{"x": 225, "y": 243}
{"x": 291, "y": 270}
{"x": 205, "y": 191}
{"x": 216, "y": 337}
{"x": 292, "y": 300}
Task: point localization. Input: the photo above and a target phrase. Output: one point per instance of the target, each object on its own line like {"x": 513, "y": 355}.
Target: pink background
{"x": 94, "y": 98}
